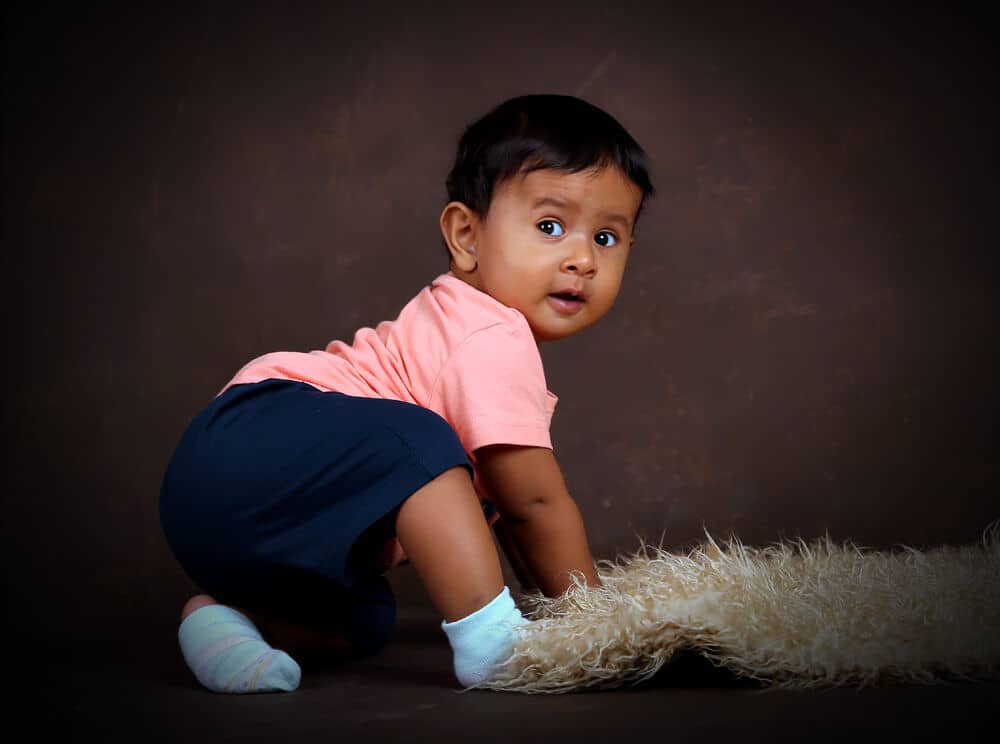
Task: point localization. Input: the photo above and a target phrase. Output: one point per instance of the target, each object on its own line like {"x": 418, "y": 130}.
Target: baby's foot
{"x": 483, "y": 641}
{"x": 226, "y": 652}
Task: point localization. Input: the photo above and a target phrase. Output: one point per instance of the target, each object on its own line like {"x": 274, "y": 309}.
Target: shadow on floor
{"x": 140, "y": 691}
{"x": 690, "y": 670}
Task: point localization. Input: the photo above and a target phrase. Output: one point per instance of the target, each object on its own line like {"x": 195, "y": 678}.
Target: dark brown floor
{"x": 407, "y": 694}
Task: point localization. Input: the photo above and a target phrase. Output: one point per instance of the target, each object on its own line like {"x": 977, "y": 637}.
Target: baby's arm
{"x": 513, "y": 553}
{"x": 543, "y": 521}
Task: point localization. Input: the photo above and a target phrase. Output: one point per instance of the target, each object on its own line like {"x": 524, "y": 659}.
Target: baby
{"x": 311, "y": 474}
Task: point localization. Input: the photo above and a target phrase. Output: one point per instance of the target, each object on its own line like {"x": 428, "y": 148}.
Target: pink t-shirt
{"x": 452, "y": 349}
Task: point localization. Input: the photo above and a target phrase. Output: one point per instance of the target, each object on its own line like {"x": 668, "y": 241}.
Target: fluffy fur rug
{"x": 791, "y": 615}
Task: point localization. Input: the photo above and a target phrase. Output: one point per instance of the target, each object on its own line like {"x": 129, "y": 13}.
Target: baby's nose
{"x": 581, "y": 261}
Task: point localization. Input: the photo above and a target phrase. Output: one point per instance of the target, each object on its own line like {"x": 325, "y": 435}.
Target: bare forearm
{"x": 514, "y": 558}
{"x": 552, "y": 542}
{"x": 543, "y": 522}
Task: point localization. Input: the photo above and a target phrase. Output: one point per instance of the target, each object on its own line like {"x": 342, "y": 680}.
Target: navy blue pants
{"x": 279, "y": 498}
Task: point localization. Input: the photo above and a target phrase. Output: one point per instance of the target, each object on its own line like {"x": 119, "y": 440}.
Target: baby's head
{"x": 544, "y": 198}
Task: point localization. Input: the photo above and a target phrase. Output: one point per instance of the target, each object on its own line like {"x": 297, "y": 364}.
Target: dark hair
{"x": 539, "y": 131}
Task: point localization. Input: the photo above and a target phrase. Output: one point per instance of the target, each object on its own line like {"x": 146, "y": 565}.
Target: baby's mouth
{"x": 567, "y": 296}
{"x": 566, "y": 303}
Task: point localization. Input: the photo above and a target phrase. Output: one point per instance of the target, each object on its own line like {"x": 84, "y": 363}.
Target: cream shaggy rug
{"x": 791, "y": 615}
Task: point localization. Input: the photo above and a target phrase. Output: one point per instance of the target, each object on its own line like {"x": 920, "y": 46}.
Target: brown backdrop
{"x": 805, "y": 338}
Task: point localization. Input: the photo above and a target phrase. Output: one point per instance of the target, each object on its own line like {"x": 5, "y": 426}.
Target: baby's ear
{"x": 458, "y": 225}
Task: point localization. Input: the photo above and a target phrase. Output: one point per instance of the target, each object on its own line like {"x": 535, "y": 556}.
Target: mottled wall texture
{"x": 806, "y": 337}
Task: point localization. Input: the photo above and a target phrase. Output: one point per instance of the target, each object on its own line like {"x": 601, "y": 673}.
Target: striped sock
{"x": 227, "y": 653}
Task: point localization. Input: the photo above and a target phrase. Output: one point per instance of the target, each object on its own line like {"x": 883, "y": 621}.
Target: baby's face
{"x": 552, "y": 232}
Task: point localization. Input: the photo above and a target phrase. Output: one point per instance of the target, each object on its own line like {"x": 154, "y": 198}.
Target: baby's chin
{"x": 548, "y": 334}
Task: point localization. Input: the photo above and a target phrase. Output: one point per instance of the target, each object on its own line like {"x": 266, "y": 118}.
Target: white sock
{"x": 483, "y": 640}
{"x": 227, "y": 654}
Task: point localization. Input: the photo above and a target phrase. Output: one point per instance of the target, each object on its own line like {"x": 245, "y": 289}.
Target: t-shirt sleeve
{"x": 492, "y": 390}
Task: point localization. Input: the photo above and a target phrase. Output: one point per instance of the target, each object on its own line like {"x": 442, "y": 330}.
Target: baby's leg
{"x": 442, "y": 530}
{"x": 303, "y": 643}
{"x": 227, "y": 653}
{"x": 357, "y": 624}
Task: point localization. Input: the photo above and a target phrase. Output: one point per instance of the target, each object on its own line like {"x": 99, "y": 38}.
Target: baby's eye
{"x": 610, "y": 235}
{"x": 542, "y": 226}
